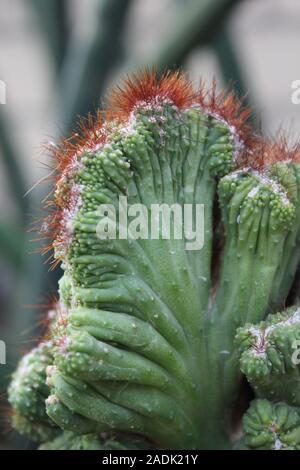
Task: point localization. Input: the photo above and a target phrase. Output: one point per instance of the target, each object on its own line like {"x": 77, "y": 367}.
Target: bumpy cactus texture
{"x": 150, "y": 341}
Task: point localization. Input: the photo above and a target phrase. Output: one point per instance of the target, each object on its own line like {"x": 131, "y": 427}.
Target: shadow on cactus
{"x": 142, "y": 350}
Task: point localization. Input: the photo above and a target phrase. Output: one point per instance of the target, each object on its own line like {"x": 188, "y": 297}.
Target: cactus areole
{"x": 149, "y": 341}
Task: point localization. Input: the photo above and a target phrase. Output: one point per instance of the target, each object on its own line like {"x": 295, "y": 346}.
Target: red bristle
{"x": 45, "y": 317}
{"x": 175, "y": 87}
{"x": 146, "y": 86}
{"x": 228, "y": 107}
{"x": 91, "y": 133}
{"x": 61, "y": 321}
{"x": 267, "y": 152}
{"x": 58, "y": 331}
{"x": 65, "y": 159}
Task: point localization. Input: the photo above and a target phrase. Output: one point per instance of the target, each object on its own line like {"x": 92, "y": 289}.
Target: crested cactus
{"x": 152, "y": 338}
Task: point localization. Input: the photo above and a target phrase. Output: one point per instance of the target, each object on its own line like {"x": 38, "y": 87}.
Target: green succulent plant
{"x": 143, "y": 349}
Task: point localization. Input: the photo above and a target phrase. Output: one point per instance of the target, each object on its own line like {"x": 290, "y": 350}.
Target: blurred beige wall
{"x": 266, "y": 35}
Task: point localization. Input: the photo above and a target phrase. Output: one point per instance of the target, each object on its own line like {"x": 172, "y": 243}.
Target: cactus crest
{"x": 151, "y": 338}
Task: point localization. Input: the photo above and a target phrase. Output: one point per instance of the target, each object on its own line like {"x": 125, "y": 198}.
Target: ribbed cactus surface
{"x": 150, "y": 339}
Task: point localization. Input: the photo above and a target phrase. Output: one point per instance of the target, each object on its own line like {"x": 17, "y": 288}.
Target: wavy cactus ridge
{"x": 71, "y": 441}
{"x": 269, "y": 426}
{"x": 145, "y": 345}
{"x": 28, "y": 392}
{"x": 268, "y": 356}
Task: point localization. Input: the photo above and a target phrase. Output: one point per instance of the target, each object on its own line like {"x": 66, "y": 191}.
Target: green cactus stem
{"x": 268, "y": 356}
{"x": 269, "y": 426}
{"x": 145, "y": 346}
{"x": 28, "y": 392}
{"x": 70, "y": 441}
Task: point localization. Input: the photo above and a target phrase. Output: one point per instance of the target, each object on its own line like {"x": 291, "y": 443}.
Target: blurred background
{"x": 58, "y": 58}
